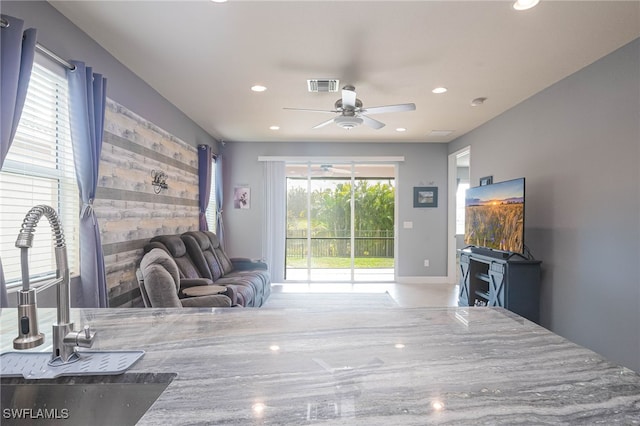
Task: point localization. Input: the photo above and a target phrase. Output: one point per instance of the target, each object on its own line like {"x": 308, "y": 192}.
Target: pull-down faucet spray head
{"x": 28, "y": 335}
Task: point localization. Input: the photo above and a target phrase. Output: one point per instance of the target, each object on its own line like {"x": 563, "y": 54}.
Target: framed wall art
{"x": 242, "y": 197}
{"x": 425, "y": 196}
{"x": 487, "y": 180}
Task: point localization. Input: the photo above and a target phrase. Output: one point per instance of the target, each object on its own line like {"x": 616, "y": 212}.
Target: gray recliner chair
{"x": 159, "y": 281}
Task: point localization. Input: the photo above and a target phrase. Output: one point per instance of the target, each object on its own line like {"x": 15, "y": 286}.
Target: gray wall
{"x": 59, "y": 35}
{"x": 424, "y": 164}
{"x": 578, "y": 145}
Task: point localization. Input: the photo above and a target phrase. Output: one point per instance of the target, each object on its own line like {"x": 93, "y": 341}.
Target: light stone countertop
{"x": 392, "y": 366}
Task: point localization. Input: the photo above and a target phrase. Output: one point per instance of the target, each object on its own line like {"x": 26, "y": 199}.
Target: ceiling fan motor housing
{"x": 339, "y": 106}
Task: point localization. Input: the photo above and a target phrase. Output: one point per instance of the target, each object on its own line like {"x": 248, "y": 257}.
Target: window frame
{"x": 51, "y": 182}
{"x": 211, "y": 213}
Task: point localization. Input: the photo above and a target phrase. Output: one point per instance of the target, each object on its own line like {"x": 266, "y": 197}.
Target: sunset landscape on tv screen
{"x": 494, "y": 216}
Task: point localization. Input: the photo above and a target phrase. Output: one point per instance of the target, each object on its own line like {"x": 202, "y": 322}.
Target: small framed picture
{"x": 242, "y": 197}
{"x": 425, "y": 196}
{"x": 487, "y": 180}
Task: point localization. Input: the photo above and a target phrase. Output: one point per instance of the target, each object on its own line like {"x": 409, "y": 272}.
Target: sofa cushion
{"x": 244, "y": 291}
{"x": 199, "y": 248}
{"x": 176, "y": 248}
{"x": 216, "y": 301}
{"x": 173, "y": 243}
{"x": 160, "y": 257}
{"x": 161, "y": 279}
{"x": 223, "y": 259}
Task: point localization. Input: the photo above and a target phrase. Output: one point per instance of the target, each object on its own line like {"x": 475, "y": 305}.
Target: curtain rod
{"x": 40, "y": 48}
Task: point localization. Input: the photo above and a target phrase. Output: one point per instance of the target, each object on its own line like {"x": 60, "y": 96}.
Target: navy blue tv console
{"x": 511, "y": 282}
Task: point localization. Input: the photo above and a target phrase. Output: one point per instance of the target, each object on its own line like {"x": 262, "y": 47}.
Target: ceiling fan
{"x": 351, "y": 113}
{"x": 330, "y": 170}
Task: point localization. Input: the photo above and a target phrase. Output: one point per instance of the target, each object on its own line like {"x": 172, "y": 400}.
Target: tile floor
{"x": 405, "y": 295}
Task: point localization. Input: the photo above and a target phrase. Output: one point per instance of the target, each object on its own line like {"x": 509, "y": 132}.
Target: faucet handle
{"x": 83, "y": 338}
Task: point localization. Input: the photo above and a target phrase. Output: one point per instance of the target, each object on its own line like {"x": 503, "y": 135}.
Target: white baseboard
{"x": 424, "y": 280}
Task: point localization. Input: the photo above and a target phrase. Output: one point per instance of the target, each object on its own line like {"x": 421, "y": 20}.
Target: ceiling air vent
{"x": 323, "y": 85}
{"x": 440, "y": 133}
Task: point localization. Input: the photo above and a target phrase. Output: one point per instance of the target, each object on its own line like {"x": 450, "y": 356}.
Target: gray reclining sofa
{"x": 202, "y": 261}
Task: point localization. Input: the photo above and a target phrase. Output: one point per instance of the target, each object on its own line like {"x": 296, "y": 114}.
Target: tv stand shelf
{"x": 483, "y": 277}
{"x": 511, "y": 282}
{"x": 483, "y": 294}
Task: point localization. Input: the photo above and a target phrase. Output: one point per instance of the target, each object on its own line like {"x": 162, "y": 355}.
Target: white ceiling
{"x": 204, "y": 57}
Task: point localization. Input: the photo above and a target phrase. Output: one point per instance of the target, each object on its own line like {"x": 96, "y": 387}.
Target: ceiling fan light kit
{"x": 347, "y": 122}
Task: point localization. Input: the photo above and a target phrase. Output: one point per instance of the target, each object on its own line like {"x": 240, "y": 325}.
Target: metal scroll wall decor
{"x": 159, "y": 181}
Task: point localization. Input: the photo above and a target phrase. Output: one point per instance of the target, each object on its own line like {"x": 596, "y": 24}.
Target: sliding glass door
{"x": 374, "y": 200}
{"x": 340, "y": 222}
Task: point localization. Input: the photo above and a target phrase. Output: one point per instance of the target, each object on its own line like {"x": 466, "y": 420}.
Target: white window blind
{"x": 39, "y": 169}
{"x": 211, "y": 208}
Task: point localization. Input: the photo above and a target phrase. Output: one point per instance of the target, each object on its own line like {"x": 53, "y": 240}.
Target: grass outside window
{"x": 341, "y": 262}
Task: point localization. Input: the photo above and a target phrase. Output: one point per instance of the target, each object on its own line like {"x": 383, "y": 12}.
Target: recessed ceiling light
{"x": 439, "y": 90}
{"x": 258, "y": 88}
{"x": 478, "y": 101}
{"x": 219, "y": 1}
{"x": 274, "y": 128}
{"x": 525, "y": 4}
{"x": 401, "y": 129}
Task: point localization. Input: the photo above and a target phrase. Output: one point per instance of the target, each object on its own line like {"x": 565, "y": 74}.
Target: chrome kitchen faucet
{"x": 65, "y": 338}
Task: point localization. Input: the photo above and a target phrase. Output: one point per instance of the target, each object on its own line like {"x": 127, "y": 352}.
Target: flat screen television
{"x": 494, "y": 216}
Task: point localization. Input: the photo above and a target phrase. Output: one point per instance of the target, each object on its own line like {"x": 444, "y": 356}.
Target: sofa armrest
{"x": 246, "y": 264}
{"x": 192, "y": 282}
{"x": 213, "y": 301}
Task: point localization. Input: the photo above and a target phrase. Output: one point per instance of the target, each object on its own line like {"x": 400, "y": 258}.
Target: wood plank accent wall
{"x": 128, "y": 211}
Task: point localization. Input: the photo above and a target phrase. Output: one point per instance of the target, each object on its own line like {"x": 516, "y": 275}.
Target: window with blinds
{"x": 211, "y": 208}
{"x": 39, "y": 169}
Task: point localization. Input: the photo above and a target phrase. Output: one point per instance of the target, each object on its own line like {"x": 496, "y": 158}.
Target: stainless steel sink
{"x": 81, "y": 400}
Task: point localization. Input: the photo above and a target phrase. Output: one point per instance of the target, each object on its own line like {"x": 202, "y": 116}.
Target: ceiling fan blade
{"x": 329, "y": 170}
{"x": 313, "y": 110}
{"x": 324, "y": 123}
{"x": 375, "y": 124}
{"x": 348, "y": 97}
{"x": 389, "y": 108}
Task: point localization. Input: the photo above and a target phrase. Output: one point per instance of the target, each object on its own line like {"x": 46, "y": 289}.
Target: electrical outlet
{"x": 426, "y": 263}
